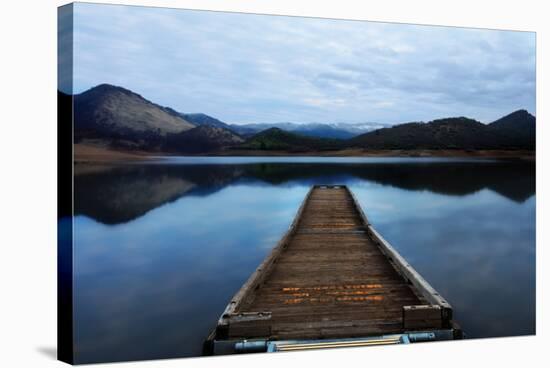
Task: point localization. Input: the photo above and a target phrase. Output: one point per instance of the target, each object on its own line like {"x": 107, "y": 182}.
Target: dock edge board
{"x": 408, "y": 272}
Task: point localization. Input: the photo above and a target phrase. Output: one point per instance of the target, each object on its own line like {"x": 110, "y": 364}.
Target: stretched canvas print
{"x": 234, "y": 183}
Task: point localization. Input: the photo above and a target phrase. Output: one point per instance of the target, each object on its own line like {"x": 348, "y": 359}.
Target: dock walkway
{"x": 332, "y": 276}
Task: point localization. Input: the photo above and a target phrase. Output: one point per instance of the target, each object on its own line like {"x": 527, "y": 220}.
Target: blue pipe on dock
{"x": 421, "y": 336}
{"x": 257, "y": 346}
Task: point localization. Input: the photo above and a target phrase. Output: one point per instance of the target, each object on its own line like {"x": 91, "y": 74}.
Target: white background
{"x": 28, "y": 179}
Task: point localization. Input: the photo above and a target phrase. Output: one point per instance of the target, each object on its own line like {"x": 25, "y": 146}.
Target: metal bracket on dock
{"x": 248, "y": 316}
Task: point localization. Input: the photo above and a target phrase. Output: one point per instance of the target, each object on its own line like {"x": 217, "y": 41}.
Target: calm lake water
{"x": 160, "y": 248}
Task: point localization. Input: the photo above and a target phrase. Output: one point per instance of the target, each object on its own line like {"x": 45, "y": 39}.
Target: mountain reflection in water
{"x": 117, "y": 194}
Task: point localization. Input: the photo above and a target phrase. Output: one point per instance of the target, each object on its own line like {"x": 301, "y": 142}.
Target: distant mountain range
{"x": 116, "y": 117}
{"x": 276, "y": 139}
{"x": 318, "y": 130}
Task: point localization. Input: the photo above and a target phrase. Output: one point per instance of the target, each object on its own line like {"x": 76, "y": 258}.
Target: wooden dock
{"x": 331, "y": 278}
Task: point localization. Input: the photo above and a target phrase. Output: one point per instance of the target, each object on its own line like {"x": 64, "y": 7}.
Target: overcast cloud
{"x": 244, "y": 68}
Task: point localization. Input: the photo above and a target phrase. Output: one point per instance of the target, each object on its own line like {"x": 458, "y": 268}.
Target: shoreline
{"x": 519, "y": 154}
{"x": 98, "y": 154}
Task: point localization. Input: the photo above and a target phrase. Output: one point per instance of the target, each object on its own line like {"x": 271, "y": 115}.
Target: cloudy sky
{"x": 244, "y": 68}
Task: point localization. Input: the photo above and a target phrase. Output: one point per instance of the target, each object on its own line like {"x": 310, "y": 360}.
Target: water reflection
{"x": 117, "y": 194}
{"x": 160, "y": 248}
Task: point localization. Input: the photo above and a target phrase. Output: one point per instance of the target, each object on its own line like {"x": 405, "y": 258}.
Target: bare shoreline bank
{"x": 95, "y": 154}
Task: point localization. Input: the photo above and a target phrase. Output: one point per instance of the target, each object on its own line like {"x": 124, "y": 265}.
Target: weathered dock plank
{"x": 332, "y": 276}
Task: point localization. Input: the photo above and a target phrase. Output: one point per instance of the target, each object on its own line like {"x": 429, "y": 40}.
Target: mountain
{"x": 202, "y": 139}
{"x": 443, "y": 133}
{"x": 519, "y": 121}
{"x": 454, "y": 133}
{"x": 248, "y": 130}
{"x": 517, "y": 128}
{"x": 322, "y": 131}
{"x": 359, "y": 128}
{"x": 203, "y": 119}
{"x": 277, "y": 139}
{"x": 319, "y": 130}
{"x": 121, "y": 117}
